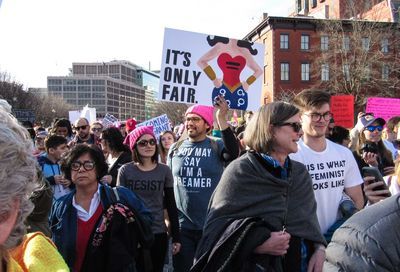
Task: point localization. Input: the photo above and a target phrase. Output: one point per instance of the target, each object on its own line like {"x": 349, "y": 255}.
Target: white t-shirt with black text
{"x": 331, "y": 171}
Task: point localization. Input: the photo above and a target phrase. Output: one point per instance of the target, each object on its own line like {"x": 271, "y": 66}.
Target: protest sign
{"x": 342, "y": 107}
{"x": 86, "y": 112}
{"x": 23, "y": 115}
{"x": 109, "y": 120}
{"x": 383, "y": 107}
{"x": 195, "y": 68}
{"x": 160, "y": 124}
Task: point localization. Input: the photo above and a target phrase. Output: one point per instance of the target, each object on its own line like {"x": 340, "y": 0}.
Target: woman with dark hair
{"x": 62, "y": 127}
{"x": 232, "y": 57}
{"x": 82, "y": 221}
{"x": 370, "y": 149}
{"x": 111, "y": 141}
{"x": 262, "y": 215}
{"x": 167, "y": 138}
{"x": 340, "y": 135}
{"x": 153, "y": 182}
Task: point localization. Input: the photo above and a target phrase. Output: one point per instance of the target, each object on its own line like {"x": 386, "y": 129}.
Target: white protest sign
{"x": 86, "y": 112}
{"x": 160, "y": 124}
{"x": 196, "y": 67}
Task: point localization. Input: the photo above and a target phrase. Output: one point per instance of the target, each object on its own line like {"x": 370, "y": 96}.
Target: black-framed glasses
{"x": 295, "y": 125}
{"x": 87, "y": 165}
{"x": 193, "y": 119}
{"x": 315, "y": 116}
{"x": 81, "y": 127}
{"x": 143, "y": 143}
{"x": 373, "y": 128}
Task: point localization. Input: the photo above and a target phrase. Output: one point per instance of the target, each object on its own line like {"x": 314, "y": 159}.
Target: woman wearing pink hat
{"x": 153, "y": 182}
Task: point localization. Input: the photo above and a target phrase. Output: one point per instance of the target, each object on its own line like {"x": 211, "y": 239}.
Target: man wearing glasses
{"x": 197, "y": 163}
{"x": 332, "y": 167}
{"x": 83, "y": 135}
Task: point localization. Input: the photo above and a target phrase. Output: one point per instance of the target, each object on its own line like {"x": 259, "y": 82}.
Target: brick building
{"x": 295, "y": 46}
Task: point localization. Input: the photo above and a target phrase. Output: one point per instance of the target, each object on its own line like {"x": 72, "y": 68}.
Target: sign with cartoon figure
{"x": 196, "y": 68}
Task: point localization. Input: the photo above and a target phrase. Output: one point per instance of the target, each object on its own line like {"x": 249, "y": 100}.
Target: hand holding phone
{"x": 374, "y": 181}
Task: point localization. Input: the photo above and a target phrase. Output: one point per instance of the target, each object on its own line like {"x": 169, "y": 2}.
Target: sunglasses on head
{"x": 81, "y": 127}
{"x": 373, "y": 128}
{"x": 295, "y": 125}
{"x": 144, "y": 143}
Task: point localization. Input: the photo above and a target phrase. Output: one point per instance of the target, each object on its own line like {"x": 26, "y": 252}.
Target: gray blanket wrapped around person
{"x": 248, "y": 189}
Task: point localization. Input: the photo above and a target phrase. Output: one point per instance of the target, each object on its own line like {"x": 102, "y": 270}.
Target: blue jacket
{"x": 63, "y": 220}
{"x": 49, "y": 168}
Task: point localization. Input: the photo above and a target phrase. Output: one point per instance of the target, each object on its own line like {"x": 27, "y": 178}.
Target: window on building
{"x": 54, "y": 82}
{"x": 83, "y": 95}
{"x": 365, "y": 43}
{"x": 385, "y": 45}
{"x": 305, "y": 42}
{"x": 324, "y": 43}
{"x": 385, "y": 72}
{"x": 91, "y": 69}
{"x": 265, "y": 73}
{"x": 325, "y": 72}
{"x": 84, "y": 82}
{"x": 78, "y": 69}
{"x": 305, "y": 71}
{"x": 114, "y": 69}
{"x": 69, "y": 82}
{"x": 367, "y": 73}
{"x": 346, "y": 72}
{"x": 346, "y": 43}
{"x": 284, "y": 41}
{"x": 285, "y": 71}
{"x": 313, "y": 3}
{"x": 69, "y": 88}
{"x": 69, "y": 95}
{"x": 299, "y": 6}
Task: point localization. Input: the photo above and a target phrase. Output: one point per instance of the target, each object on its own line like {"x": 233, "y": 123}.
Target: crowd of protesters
{"x": 284, "y": 190}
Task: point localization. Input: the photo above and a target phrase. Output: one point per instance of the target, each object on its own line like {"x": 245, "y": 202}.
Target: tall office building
{"x": 113, "y": 87}
{"x": 150, "y": 81}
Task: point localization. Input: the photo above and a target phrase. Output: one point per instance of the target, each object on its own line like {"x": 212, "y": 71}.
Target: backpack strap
{"x": 116, "y": 195}
{"x": 175, "y": 148}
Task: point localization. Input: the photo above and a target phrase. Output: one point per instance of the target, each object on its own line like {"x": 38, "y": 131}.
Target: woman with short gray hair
{"x": 17, "y": 181}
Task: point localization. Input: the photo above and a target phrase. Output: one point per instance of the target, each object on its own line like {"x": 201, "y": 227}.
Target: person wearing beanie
{"x": 130, "y": 125}
{"x": 153, "y": 183}
{"x": 197, "y": 163}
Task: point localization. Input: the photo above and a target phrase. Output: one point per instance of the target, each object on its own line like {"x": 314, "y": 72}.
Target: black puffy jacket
{"x": 368, "y": 241}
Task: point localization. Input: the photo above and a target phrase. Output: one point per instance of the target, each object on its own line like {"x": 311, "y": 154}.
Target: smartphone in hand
{"x": 374, "y": 172}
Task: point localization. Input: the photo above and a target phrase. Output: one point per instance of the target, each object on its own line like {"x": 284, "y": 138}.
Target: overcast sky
{"x": 40, "y": 38}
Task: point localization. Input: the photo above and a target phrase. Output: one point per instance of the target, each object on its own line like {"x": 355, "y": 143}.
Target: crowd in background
{"x": 283, "y": 190}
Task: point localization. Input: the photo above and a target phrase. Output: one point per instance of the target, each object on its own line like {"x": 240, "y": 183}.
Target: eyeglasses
{"x": 97, "y": 129}
{"x": 193, "y": 119}
{"x": 87, "y": 165}
{"x": 315, "y": 116}
{"x": 81, "y": 127}
{"x": 144, "y": 143}
{"x": 373, "y": 128}
{"x": 295, "y": 125}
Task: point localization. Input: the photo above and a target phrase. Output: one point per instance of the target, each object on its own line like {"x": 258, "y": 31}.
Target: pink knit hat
{"x": 135, "y": 134}
{"x": 205, "y": 112}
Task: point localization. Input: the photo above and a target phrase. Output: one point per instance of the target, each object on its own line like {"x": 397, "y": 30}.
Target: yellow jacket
{"x": 36, "y": 253}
